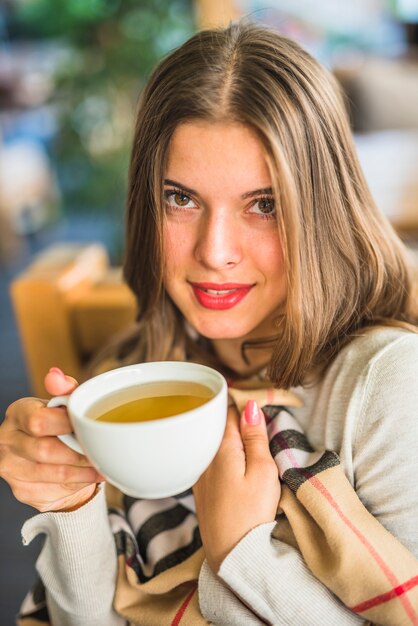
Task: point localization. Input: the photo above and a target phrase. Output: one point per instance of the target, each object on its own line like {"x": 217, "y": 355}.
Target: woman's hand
{"x": 240, "y": 489}
{"x": 41, "y": 470}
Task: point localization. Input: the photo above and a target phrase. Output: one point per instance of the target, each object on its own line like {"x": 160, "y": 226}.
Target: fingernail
{"x": 252, "y": 413}
{"x": 56, "y": 370}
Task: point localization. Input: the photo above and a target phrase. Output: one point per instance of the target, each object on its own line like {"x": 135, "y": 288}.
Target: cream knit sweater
{"x": 366, "y": 409}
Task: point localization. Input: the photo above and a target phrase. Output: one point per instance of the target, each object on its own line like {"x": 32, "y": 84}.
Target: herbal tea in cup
{"x": 150, "y": 401}
{"x": 151, "y": 429}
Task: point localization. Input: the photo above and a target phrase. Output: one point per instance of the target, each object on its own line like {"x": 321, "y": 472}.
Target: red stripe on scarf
{"x": 314, "y": 480}
{"x": 182, "y": 609}
{"x": 385, "y": 597}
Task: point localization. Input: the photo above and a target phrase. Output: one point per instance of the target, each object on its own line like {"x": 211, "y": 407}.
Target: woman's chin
{"x": 216, "y": 330}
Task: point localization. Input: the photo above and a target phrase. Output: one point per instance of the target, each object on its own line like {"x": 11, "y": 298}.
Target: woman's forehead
{"x": 227, "y": 153}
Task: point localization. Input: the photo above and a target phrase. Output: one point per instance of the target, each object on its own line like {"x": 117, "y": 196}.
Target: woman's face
{"x": 224, "y": 265}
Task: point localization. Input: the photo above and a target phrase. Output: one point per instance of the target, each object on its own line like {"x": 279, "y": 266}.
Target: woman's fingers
{"x": 50, "y": 497}
{"x": 45, "y": 450}
{"x": 40, "y": 469}
{"x": 32, "y": 417}
{"x": 232, "y": 435}
{"x": 255, "y": 440}
{"x": 24, "y": 470}
{"x": 45, "y": 422}
{"x": 59, "y": 384}
{"x": 240, "y": 489}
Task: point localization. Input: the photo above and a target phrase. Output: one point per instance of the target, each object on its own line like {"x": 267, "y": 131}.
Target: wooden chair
{"x": 67, "y": 305}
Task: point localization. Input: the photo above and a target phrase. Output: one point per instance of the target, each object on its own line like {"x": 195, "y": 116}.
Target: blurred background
{"x": 70, "y": 75}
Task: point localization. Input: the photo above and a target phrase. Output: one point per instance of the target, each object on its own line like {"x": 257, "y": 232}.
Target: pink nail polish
{"x": 56, "y": 370}
{"x": 252, "y": 413}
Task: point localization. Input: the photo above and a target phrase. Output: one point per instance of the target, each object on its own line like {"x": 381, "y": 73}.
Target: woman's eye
{"x": 178, "y": 199}
{"x": 264, "y": 207}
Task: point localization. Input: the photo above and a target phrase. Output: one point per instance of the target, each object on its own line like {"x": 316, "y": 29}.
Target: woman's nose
{"x": 218, "y": 244}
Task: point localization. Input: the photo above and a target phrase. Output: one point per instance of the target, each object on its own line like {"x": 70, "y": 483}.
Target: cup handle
{"x": 69, "y": 440}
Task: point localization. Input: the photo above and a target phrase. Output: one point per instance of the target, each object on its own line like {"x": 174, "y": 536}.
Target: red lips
{"x": 220, "y": 297}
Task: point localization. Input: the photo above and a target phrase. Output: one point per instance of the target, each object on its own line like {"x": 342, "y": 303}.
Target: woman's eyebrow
{"x": 168, "y": 181}
{"x": 267, "y": 191}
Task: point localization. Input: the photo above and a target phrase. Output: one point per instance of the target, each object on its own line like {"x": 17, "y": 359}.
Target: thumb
{"x": 254, "y": 434}
{"x": 58, "y": 384}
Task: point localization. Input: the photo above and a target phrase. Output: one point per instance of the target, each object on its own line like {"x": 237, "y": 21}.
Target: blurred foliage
{"x": 106, "y": 49}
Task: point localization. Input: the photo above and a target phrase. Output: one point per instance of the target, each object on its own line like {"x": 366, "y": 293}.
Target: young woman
{"x": 254, "y": 246}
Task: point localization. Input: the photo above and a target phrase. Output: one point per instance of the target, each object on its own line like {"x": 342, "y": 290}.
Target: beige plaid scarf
{"x": 160, "y": 552}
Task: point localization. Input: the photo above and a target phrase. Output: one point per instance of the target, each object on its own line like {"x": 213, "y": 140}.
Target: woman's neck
{"x": 243, "y": 362}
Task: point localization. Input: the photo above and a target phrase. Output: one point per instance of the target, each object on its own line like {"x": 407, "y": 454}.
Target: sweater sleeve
{"x": 271, "y": 576}
{"x": 386, "y": 445}
{"x": 77, "y": 564}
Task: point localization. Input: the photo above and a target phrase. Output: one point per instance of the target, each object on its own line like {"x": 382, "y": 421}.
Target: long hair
{"x": 346, "y": 267}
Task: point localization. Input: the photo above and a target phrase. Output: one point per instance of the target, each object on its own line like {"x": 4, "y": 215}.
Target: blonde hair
{"x": 346, "y": 268}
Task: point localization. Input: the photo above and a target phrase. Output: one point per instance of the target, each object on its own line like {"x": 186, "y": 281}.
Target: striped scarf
{"x": 160, "y": 552}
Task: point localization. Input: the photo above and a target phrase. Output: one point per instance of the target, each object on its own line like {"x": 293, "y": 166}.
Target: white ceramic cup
{"x": 151, "y": 459}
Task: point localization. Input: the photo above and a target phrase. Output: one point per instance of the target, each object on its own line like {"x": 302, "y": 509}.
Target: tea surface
{"x": 150, "y": 401}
